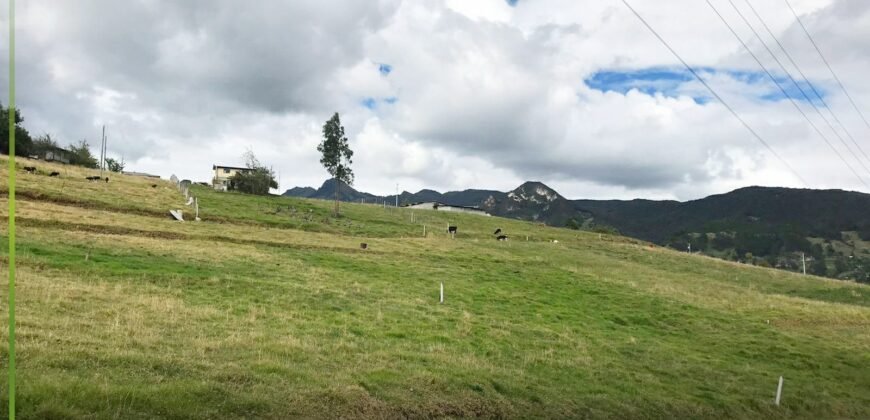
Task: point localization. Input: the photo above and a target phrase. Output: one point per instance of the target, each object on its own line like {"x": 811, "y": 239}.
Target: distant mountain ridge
{"x": 818, "y": 212}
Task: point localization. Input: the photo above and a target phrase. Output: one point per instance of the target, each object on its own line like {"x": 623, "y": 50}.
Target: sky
{"x": 457, "y": 94}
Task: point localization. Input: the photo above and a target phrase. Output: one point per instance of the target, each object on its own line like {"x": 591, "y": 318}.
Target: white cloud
{"x": 486, "y": 95}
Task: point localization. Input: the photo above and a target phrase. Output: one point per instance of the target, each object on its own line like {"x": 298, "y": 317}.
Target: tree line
{"x": 27, "y": 145}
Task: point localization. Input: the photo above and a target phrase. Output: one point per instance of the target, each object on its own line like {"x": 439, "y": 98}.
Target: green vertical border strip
{"x": 12, "y": 112}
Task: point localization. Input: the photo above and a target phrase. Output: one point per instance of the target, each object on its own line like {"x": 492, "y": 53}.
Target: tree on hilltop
{"x": 336, "y": 155}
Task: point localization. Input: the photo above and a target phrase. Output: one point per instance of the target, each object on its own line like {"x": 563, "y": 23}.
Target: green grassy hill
{"x": 268, "y": 308}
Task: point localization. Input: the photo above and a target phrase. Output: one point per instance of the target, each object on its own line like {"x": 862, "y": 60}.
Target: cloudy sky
{"x": 454, "y": 94}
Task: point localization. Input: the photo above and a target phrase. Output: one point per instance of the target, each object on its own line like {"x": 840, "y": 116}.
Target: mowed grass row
{"x": 129, "y": 315}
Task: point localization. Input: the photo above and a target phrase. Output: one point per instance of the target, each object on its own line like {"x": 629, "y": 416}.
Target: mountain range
{"x": 760, "y": 225}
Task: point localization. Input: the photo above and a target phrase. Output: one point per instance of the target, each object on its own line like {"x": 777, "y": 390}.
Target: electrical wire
{"x": 800, "y": 89}
{"x": 715, "y": 94}
{"x": 784, "y": 92}
{"x": 818, "y": 50}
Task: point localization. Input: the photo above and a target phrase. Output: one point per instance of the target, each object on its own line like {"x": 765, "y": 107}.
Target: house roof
{"x": 55, "y": 149}
{"x": 213, "y": 167}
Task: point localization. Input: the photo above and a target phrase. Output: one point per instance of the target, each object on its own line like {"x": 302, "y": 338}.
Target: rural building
{"x": 434, "y": 205}
{"x": 53, "y": 154}
{"x": 222, "y": 175}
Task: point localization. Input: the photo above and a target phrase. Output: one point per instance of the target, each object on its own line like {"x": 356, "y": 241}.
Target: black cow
{"x": 54, "y": 174}
{"x": 451, "y": 229}
{"x": 30, "y": 169}
{"x": 501, "y": 238}
{"x": 93, "y": 178}
{"x": 497, "y": 231}
{"x": 107, "y": 179}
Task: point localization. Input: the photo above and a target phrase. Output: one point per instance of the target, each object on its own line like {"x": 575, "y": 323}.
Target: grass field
{"x": 268, "y": 308}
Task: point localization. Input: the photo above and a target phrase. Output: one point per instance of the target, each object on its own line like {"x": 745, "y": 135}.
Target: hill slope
{"x": 269, "y": 308}
{"x": 774, "y": 227}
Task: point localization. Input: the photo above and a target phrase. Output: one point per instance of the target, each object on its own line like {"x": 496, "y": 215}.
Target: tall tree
{"x": 81, "y": 155}
{"x": 336, "y": 155}
{"x": 115, "y": 165}
{"x": 23, "y": 142}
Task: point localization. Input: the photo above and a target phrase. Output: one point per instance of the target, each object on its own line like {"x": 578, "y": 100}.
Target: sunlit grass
{"x": 269, "y": 308}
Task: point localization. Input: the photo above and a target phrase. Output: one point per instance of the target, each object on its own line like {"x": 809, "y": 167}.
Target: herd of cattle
{"x": 452, "y": 231}
{"x": 32, "y": 170}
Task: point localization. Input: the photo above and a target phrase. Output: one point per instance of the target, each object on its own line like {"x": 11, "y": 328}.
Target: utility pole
{"x": 102, "y": 147}
{"x": 804, "y": 262}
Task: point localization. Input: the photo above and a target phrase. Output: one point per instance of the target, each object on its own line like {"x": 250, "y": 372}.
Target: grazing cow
{"x": 92, "y": 178}
{"x": 54, "y": 174}
{"x": 451, "y": 229}
{"x": 502, "y": 237}
{"x": 497, "y": 231}
{"x": 363, "y": 245}
{"x": 30, "y": 169}
{"x": 153, "y": 185}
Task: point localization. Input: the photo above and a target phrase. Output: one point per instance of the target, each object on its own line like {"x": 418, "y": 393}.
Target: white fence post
{"x": 779, "y": 390}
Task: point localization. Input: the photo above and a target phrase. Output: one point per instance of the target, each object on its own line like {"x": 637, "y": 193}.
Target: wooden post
{"x": 778, "y": 390}
{"x": 442, "y": 301}
{"x": 804, "y": 262}
{"x": 424, "y": 231}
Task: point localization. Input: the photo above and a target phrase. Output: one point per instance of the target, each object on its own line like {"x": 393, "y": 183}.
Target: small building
{"x": 222, "y": 175}
{"x": 434, "y": 205}
{"x": 53, "y": 154}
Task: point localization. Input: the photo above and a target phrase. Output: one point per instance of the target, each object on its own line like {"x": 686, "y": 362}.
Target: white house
{"x": 222, "y": 175}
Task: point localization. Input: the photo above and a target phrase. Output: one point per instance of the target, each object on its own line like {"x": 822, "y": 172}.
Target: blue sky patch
{"x": 372, "y": 103}
{"x": 671, "y": 82}
{"x": 385, "y": 69}
{"x": 369, "y": 103}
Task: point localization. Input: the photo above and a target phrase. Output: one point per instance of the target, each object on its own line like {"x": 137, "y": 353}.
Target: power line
{"x": 716, "y": 95}
{"x": 806, "y": 79}
{"x": 818, "y": 50}
{"x": 784, "y": 92}
{"x": 801, "y": 89}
